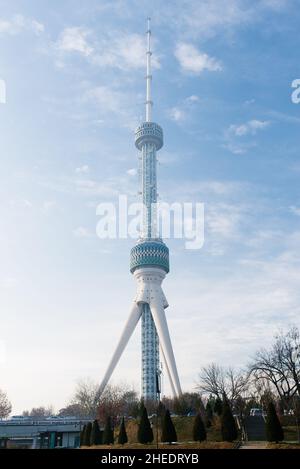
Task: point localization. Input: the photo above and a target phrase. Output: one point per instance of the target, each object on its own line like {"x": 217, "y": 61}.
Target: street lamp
{"x": 158, "y": 391}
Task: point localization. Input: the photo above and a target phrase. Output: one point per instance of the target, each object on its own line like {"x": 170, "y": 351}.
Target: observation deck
{"x": 149, "y": 132}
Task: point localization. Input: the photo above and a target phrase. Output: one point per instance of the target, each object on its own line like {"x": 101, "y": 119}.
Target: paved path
{"x": 254, "y": 445}
{"x": 255, "y": 428}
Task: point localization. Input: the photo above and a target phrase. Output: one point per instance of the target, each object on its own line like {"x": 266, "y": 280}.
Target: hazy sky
{"x": 74, "y": 74}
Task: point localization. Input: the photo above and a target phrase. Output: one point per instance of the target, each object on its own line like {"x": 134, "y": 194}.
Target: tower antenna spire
{"x": 149, "y": 102}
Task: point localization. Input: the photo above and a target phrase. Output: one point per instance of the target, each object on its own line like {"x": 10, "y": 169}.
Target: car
{"x": 256, "y": 412}
{"x": 288, "y": 412}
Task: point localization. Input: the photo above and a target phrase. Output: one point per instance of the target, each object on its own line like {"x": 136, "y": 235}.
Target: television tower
{"x": 149, "y": 264}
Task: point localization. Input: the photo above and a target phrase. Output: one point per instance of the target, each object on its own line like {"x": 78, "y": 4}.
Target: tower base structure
{"x": 149, "y": 292}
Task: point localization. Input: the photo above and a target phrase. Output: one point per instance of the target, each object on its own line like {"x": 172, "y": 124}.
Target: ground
{"x": 183, "y": 445}
{"x": 184, "y": 427}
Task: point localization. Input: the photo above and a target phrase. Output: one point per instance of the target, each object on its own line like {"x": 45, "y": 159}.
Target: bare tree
{"x": 72, "y": 410}
{"x": 218, "y": 381}
{"x": 5, "y": 405}
{"x": 280, "y": 365}
{"x": 113, "y": 402}
{"x": 85, "y": 398}
{"x": 117, "y": 401}
{"x": 39, "y": 412}
{"x": 185, "y": 403}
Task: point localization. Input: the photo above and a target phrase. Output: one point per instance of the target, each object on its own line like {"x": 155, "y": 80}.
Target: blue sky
{"x": 74, "y": 75}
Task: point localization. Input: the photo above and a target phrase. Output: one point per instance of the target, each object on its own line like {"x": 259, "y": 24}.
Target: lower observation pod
{"x": 152, "y": 253}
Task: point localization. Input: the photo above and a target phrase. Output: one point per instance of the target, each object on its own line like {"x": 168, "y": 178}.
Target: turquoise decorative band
{"x": 151, "y": 254}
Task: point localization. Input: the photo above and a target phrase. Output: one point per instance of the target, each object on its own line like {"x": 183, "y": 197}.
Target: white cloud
{"x": 192, "y": 99}
{"x": 248, "y": 102}
{"x": 295, "y": 167}
{"x": 124, "y": 51}
{"x": 48, "y": 205}
{"x": 223, "y": 220}
{"x": 82, "y": 169}
{"x": 107, "y": 188}
{"x": 238, "y": 148}
{"x": 250, "y": 127}
{"x": 8, "y": 282}
{"x": 295, "y": 210}
{"x": 132, "y": 172}
{"x": 168, "y": 158}
{"x": 208, "y": 18}
{"x": 82, "y": 232}
{"x": 282, "y": 117}
{"x": 113, "y": 101}
{"x": 180, "y": 112}
{"x": 265, "y": 236}
{"x": 236, "y": 133}
{"x": 239, "y": 130}
{"x": 194, "y": 61}
{"x": 37, "y": 27}
{"x": 275, "y": 4}
{"x": 89, "y": 187}
{"x": 21, "y": 203}
{"x": 74, "y": 39}
{"x": 176, "y": 114}
{"x": 18, "y": 24}
{"x": 98, "y": 121}
{"x": 235, "y": 149}
{"x": 192, "y": 189}
{"x": 107, "y": 98}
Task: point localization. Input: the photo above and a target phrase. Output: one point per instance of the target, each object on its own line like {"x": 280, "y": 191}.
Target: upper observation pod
{"x": 149, "y": 132}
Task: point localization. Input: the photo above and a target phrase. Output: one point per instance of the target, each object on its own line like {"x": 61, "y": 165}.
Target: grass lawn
{"x": 290, "y": 433}
{"x": 184, "y": 428}
{"x": 283, "y": 445}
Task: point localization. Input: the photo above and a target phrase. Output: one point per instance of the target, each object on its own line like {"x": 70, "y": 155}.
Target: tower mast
{"x": 149, "y": 102}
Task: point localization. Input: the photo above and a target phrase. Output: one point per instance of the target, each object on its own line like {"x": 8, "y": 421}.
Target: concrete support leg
{"x": 158, "y": 313}
{"x": 133, "y": 319}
